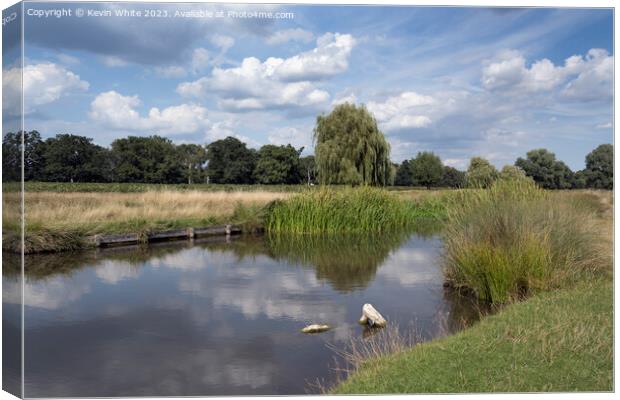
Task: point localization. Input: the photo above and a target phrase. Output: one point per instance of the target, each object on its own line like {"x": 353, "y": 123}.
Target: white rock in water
{"x": 371, "y": 316}
{"x": 315, "y": 328}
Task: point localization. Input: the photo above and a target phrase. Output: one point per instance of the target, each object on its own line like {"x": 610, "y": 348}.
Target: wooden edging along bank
{"x": 188, "y": 233}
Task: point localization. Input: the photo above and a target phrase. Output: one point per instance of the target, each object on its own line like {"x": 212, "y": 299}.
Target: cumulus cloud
{"x": 403, "y": 111}
{"x": 42, "y": 84}
{"x": 276, "y": 82}
{"x": 595, "y": 78}
{"x": 118, "y": 111}
{"x": 330, "y": 57}
{"x": 583, "y": 78}
{"x": 290, "y": 35}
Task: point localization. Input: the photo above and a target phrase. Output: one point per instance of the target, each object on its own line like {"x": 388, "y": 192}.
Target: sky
{"x": 460, "y": 82}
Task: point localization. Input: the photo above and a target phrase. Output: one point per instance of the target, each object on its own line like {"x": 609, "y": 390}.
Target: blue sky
{"x": 460, "y": 82}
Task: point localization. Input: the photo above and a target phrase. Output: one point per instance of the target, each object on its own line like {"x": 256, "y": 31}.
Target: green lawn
{"x": 554, "y": 342}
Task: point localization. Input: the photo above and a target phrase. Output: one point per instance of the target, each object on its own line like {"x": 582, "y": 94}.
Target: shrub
{"x": 515, "y": 238}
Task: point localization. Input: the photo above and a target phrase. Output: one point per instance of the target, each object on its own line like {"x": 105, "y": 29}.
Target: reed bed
{"x": 353, "y": 210}
{"x": 515, "y": 238}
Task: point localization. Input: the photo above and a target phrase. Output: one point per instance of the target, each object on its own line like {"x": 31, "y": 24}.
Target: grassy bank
{"x": 556, "y": 341}
{"x": 502, "y": 244}
{"x": 359, "y": 210}
{"x": 61, "y": 221}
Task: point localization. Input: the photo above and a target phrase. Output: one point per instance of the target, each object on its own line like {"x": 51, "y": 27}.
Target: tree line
{"x": 427, "y": 170}
{"x": 153, "y": 159}
{"x": 349, "y": 149}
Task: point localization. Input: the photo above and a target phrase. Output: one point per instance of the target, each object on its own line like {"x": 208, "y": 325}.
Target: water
{"x": 217, "y": 318}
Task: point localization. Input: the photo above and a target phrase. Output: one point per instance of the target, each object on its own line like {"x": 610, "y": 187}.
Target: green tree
{"x": 350, "y": 148}
{"x": 12, "y": 157}
{"x": 580, "y": 180}
{"x": 230, "y": 161}
{"x": 193, "y": 157}
{"x": 452, "y": 178}
{"x": 277, "y": 165}
{"x": 480, "y": 173}
{"x": 512, "y": 172}
{"x": 404, "y": 174}
{"x": 600, "y": 167}
{"x": 72, "y": 158}
{"x": 542, "y": 166}
{"x": 151, "y": 159}
{"x": 308, "y": 169}
{"x": 427, "y": 169}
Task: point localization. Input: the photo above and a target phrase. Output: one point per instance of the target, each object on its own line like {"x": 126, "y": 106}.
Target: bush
{"x": 514, "y": 238}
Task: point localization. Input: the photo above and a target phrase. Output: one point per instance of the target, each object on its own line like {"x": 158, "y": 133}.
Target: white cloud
{"x": 42, "y": 84}
{"x": 290, "y": 35}
{"x": 583, "y": 78}
{"x": 329, "y": 58}
{"x": 200, "y": 60}
{"x": 276, "y": 82}
{"x": 403, "y": 111}
{"x": 113, "y": 61}
{"x": 290, "y": 135}
{"x": 222, "y": 41}
{"x": 67, "y": 59}
{"x": 198, "y": 63}
{"x": 595, "y": 79}
{"x": 226, "y": 128}
{"x": 608, "y": 125}
{"x": 117, "y": 111}
{"x": 173, "y": 71}
{"x": 350, "y": 98}
{"x": 252, "y": 86}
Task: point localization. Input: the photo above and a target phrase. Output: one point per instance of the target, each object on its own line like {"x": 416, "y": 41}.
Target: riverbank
{"x": 58, "y": 220}
{"x": 558, "y": 341}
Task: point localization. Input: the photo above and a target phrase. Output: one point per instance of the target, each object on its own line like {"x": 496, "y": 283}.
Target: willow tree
{"x": 350, "y": 149}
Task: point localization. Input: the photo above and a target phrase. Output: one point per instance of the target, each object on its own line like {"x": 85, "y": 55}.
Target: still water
{"x": 219, "y": 317}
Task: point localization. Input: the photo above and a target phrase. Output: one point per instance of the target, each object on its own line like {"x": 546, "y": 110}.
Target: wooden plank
{"x": 116, "y": 240}
{"x": 168, "y": 235}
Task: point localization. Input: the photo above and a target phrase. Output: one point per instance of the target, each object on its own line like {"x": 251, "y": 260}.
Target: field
{"x": 61, "y": 220}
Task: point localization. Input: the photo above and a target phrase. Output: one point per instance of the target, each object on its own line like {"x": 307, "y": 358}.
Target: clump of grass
{"x": 250, "y": 216}
{"x": 515, "y": 238}
{"x": 353, "y": 210}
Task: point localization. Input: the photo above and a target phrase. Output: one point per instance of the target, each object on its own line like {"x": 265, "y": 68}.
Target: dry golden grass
{"x": 50, "y": 210}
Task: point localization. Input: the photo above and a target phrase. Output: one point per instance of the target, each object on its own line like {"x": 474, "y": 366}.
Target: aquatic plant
{"x": 354, "y": 210}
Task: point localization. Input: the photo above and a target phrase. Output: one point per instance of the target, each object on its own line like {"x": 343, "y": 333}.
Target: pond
{"x": 218, "y": 317}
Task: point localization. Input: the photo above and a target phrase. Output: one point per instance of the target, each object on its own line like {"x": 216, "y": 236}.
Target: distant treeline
{"x": 154, "y": 159}
{"x": 426, "y": 169}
